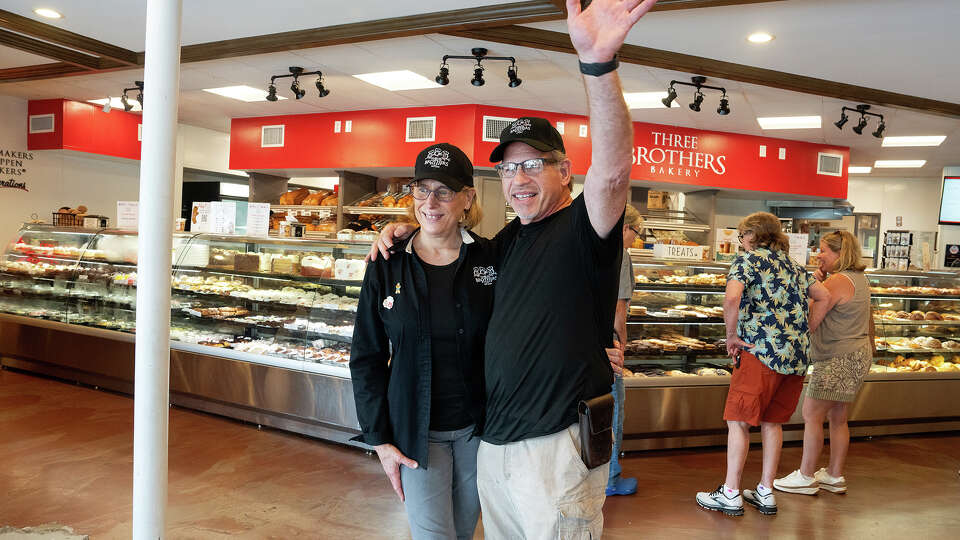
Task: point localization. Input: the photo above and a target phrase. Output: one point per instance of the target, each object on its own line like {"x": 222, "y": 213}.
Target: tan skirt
{"x": 839, "y": 378}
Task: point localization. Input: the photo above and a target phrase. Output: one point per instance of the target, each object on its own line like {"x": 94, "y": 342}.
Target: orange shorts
{"x": 760, "y": 394}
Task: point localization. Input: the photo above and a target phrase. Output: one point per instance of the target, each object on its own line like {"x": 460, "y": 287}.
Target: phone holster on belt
{"x": 596, "y": 430}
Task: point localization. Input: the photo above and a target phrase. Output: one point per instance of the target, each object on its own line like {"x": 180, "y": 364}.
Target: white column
{"x": 157, "y": 172}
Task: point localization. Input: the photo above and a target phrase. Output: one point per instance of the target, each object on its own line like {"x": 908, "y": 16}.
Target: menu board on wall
{"x": 127, "y": 214}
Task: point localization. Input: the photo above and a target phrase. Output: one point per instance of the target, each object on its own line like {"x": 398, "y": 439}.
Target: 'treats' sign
{"x": 12, "y": 169}
{"x": 714, "y": 159}
{"x": 683, "y": 253}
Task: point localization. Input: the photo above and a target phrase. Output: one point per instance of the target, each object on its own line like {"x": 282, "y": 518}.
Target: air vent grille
{"x": 421, "y": 129}
{"x": 829, "y": 164}
{"x": 41, "y": 123}
{"x": 493, "y": 126}
{"x": 271, "y": 136}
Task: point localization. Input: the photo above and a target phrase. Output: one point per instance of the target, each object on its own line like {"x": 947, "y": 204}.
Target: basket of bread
{"x": 70, "y": 217}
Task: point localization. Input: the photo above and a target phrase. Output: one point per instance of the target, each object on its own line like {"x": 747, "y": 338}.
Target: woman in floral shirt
{"x": 765, "y": 310}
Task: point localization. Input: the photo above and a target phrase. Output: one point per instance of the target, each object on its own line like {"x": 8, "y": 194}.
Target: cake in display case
{"x": 284, "y": 302}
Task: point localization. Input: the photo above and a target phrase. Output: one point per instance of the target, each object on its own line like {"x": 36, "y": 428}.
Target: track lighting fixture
{"x": 479, "y": 54}
{"x": 515, "y": 81}
{"x": 443, "y": 78}
{"x": 864, "y": 111}
{"x": 697, "y": 101}
{"x": 879, "y": 132}
{"x": 671, "y": 95}
{"x": 477, "y": 76}
{"x": 321, "y": 91}
{"x": 298, "y": 92}
{"x": 127, "y": 106}
{"x": 724, "y": 108}
{"x": 697, "y": 82}
{"x": 842, "y": 121}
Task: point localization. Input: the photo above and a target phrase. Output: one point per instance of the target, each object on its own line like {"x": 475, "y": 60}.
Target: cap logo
{"x": 520, "y": 126}
{"x": 437, "y": 158}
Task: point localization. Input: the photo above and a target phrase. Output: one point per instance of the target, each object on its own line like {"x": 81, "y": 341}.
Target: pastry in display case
{"x": 675, "y": 320}
{"x": 283, "y": 299}
{"x": 917, "y": 321}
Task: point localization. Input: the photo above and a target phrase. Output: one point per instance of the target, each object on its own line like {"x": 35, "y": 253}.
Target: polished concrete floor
{"x": 66, "y": 455}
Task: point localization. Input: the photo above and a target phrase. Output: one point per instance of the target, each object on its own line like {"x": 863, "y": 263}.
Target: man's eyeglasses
{"x": 442, "y": 193}
{"x": 531, "y": 167}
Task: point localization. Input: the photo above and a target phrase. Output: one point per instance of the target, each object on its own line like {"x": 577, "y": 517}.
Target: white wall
{"x": 916, "y": 200}
{"x": 58, "y": 178}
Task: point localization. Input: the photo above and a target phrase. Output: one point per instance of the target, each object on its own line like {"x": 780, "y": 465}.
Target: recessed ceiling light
{"x": 117, "y": 104}
{"x": 900, "y": 163}
{"x": 760, "y": 37}
{"x": 241, "y": 93}
{"x": 398, "y": 80}
{"x": 48, "y": 13}
{"x": 789, "y": 122}
{"x": 646, "y": 100}
{"x": 859, "y": 170}
{"x": 921, "y": 140}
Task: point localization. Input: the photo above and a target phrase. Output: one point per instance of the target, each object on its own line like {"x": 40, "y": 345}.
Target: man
{"x": 632, "y": 226}
{"x": 555, "y": 300}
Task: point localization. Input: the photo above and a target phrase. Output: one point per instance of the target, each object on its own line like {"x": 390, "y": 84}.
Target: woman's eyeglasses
{"x": 531, "y": 167}
{"x": 443, "y": 194}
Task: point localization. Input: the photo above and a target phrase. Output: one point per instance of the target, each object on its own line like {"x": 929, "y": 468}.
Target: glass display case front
{"x": 282, "y": 302}
{"x": 917, "y": 318}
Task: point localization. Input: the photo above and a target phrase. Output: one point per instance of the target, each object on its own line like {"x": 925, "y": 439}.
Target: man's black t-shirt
{"x": 553, "y": 315}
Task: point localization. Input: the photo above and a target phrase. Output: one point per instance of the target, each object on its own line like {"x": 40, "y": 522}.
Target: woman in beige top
{"x": 842, "y": 351}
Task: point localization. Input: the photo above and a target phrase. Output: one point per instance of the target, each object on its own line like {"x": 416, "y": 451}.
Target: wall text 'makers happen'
{"x": 676, "y": 155}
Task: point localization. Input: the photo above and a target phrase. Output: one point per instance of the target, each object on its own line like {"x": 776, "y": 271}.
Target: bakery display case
{"x": 260, "y": 325}
{"x": 677, "y": 372}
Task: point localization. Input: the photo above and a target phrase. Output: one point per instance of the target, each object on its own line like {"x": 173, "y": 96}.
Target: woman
{"x": 842, "y": 353}
{"x": 766, "y": 321}
{"x": 416, "y": 359}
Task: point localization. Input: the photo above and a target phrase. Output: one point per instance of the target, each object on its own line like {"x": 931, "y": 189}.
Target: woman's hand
{"x": 735, "y": 345}
{"x": 391, "y": 459}
{"x": 615, "y": 355}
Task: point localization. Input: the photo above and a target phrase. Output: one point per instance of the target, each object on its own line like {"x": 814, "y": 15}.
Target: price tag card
{"x": 200, "y": 217}
{"x": 224, "y": 216}
{"x": 127, "y": 214}
{"x": 798, "y": 247}
{"x": 258, "y": 219}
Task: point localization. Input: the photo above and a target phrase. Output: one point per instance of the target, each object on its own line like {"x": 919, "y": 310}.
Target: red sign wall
{"x": 84, "y": 127}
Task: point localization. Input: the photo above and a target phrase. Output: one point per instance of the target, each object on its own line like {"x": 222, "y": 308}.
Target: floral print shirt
{"x": 773, "y": 309}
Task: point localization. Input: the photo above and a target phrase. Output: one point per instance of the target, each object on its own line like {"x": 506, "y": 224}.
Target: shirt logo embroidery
{"x": 388, "y": 302}
{"x": 520, "y": 126}
{"x": 437, "y": 158}
{"x": 396, "y": 289}
{"x": 484, "y": 275}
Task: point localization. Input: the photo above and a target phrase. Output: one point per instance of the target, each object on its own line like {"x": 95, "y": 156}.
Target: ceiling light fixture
{"x": 853, "y": 169}
{"x": 479, "y": 54}
{"x": 760, "y": 37}
{"x": 127, "y": 106}
{"x": 397, "y": 80}
{"x": 243, "y": 93}
{"x": 698, "y": 83}
{"x": 899, "y": 163}
{"x": 864, "y": 111}
{"x": 789, "y": 122}
{"x": 646, "y": 100}
{"x": 48, "y": 13}
{"x": 915, "y": 140}
{"x": 107, "y": 106}
{"x": 296, "y": 72}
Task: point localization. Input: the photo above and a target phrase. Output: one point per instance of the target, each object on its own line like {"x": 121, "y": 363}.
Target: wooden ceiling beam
{"x": 458, "y": 19}
{"x": 48, "y": 50}
{"x": 40, "y": 71}
{"x": 670, "y": 5}
{"x": 698, "y": 65}
{"x": 53, "y": 34}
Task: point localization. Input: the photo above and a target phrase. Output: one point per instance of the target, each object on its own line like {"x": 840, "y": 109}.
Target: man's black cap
{"x": 444, "y": 163}
{"x": 537, "y": 132}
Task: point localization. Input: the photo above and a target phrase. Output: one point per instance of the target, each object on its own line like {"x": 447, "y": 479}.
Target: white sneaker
{"x": 718, "y": 501}
{"x": 830, "y": 483}
{"x": 766, "y": 504}
{"x": 797, "y": 482}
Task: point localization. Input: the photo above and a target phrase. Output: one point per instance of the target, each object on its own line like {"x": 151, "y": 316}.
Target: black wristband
{"x": 599, "y": 68}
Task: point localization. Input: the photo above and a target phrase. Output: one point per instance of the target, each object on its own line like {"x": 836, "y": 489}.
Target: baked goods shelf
{"x": 376, "y": 210}
{"x": 251, "y": 301}
{"x": 275, "y": 277}
{"x": 688, "y": 289}
{"x": 674, "y": 320}
{"x": 905, "y": 322}
{"x": 299, "y": 333}
{"x": 303, "y": 207}
{"x": 716, "y": 352}
{"x": 925, "y": 297}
